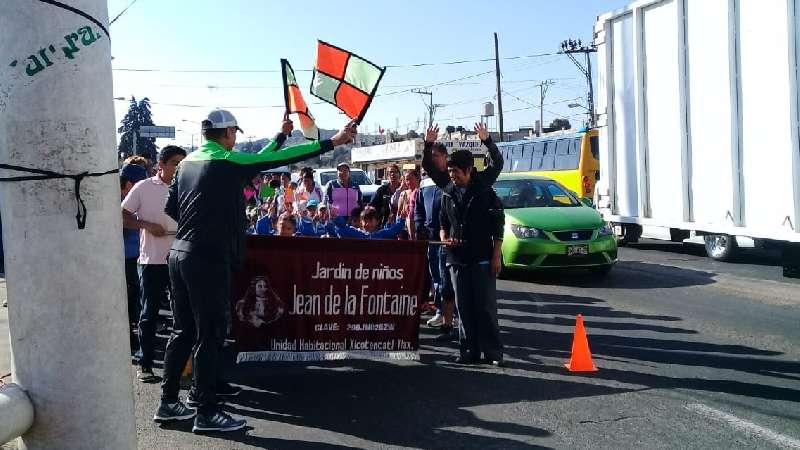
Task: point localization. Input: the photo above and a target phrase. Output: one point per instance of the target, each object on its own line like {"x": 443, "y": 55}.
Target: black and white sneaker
{"x": 168, "y": 412}
{"x": 217, "y": 421}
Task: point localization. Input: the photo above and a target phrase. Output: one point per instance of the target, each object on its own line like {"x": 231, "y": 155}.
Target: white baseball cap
{"x": 220, "y": 118}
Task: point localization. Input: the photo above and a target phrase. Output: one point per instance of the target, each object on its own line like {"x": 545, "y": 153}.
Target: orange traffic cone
{"x": 581, "y": 360}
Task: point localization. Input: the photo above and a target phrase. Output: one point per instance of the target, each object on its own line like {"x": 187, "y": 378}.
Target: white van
{"x": 323, "y": 176}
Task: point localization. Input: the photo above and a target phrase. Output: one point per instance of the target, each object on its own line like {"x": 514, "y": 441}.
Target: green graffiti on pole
{"x": 46, "y": 57}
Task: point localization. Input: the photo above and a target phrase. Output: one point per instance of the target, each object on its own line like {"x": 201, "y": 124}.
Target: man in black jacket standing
{"x": 206, "y": 201}
{"x": 472, "y": 223}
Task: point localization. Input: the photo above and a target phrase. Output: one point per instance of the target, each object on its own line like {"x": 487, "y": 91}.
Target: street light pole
{"x": 578, "y": 105}
{"x": 191, "y": 149}
{"x": 194, "y": 122}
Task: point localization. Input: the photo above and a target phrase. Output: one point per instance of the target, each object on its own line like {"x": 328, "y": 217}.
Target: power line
{"x": 438, "y": 84}
{"x": 450, "y": 63}
{"x": 382, "y": 86}
{"x": 319, "y": 103}
{"x": 532, "y": 106}
{"x": 123, "y": 12}
{"x": 443, "y": 83}
{"x": 450, "y": 82}
{"x": 395, "y": 66}
{"x": 547, "y": 104}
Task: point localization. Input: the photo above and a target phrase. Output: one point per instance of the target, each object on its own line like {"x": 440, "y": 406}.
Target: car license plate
{"x": 577, "y": 250}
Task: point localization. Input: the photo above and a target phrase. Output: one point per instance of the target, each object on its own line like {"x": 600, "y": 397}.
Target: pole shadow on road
{"x": 756, "y": 256}
{"x": 420, "y": 405}
{"x": 529, "y": 318}
{"x": 625, "y": 275}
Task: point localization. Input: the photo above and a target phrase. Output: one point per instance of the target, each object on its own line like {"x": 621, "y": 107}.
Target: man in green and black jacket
{"x": 207, "y": 202}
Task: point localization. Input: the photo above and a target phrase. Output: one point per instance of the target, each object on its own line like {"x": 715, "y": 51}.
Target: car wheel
{"x": 601, "y": 270}
{"x": 721, "y": 247}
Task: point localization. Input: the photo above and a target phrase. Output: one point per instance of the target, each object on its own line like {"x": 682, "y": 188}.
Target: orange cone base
{"x": 581, "y": 367}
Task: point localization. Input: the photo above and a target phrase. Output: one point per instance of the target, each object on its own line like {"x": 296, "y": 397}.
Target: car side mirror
{"x": 587, "y": 202}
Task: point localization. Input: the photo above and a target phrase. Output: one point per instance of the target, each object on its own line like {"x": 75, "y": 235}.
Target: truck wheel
{"x": 790, "y": 260}
{"x": 678, "y": 235}
{"x": 721, "y": 247}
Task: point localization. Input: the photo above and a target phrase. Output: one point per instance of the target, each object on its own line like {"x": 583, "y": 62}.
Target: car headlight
{"x": 606, "y": 230}
{"x": 525, "y": 232}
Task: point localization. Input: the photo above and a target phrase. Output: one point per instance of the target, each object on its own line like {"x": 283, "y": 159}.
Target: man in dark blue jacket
{"x": 472, "y": 223}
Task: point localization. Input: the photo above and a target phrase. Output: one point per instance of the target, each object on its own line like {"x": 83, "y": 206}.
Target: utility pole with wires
{"x": 544, "y": 86}
{"x": 431, "y": 107}
{"x": 569, "y": 48}
{"x": 499, "y": 98}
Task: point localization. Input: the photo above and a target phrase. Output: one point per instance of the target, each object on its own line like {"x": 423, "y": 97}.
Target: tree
{"x": 251, "y": 146}
{"x": 138, "y": 115}
{"x": 560, "y": 124}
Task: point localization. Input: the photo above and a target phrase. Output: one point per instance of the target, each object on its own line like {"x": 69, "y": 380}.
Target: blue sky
{"x": 169, "y": 35}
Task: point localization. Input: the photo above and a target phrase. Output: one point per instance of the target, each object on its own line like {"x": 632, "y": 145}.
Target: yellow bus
{"x": 571, "y": 159}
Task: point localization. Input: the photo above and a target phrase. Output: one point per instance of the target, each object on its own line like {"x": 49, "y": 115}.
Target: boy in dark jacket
{"x": 472, "y": 222}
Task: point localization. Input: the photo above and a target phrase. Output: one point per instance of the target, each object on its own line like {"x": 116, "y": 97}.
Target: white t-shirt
{"x": 302, "y": 196}
{"x": 147, "y": 199}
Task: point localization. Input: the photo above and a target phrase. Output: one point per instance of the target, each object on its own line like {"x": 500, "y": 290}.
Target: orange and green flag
{"x": 345, "y": 80}
{"x": 295, "y": 104}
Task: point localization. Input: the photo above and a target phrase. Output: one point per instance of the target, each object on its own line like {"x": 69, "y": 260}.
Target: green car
{"x": 547, "y": 226}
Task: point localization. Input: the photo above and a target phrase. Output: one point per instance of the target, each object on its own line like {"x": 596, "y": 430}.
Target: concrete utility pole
{"x": 499, "y": 98}
{"x": 543, "y": 88}
{"x": 66, "y": 301}
{"x": 570, "y": 47}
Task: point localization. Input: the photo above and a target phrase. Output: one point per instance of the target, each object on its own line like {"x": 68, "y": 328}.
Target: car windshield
{"x": 358, "y": 177}
{"x": 533, "y": 193}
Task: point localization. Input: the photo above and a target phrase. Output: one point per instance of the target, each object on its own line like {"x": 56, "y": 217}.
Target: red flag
{"x": 345, "y": 80}
{"x": 295, "y": 104}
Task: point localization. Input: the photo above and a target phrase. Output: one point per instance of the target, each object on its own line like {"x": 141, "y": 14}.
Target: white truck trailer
{"x": 698, "y": 117}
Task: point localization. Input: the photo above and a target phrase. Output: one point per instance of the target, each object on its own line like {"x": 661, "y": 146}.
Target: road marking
{"x": 748, "y": 427}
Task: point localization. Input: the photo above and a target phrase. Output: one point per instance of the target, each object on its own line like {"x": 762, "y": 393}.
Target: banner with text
{"x": 309, "y": 299}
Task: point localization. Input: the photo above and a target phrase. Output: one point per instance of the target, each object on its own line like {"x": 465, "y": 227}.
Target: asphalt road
{"x": 691, "y": 354}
